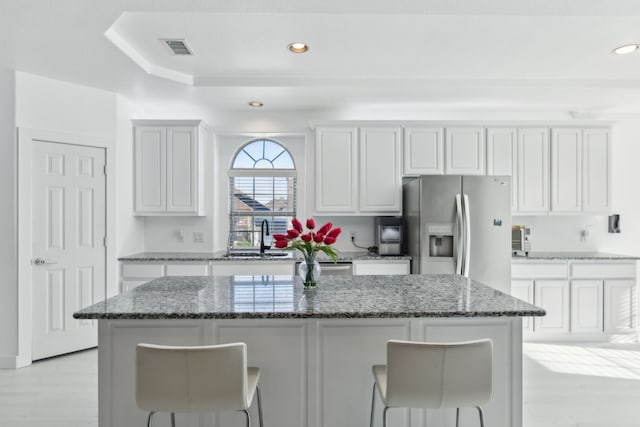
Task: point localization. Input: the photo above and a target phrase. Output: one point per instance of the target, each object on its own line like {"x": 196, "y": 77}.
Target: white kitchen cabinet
{"x": 502, "y": 157}
{"x": 619, "y": 297}
{"x": 423, "y": 151}
{"x": 566, "y": 171}
{"x": 380, "y": 184}
{"x": 336, "y": 177}
{"x": 465, "y": 151}
{"x": 252, "y": 268}
{"x": 523, "y": 289}
{"x": 553, "y": 296}
{"x": 601, "y": 295}
{"x": 384, "y": 267}
{"x": 169, "y": 168}
{"x": 596, "y": 170}
{"x": 587, "y": 306}
{"x": 136, "y": 273}
{"x": 358, "y": 171}
{"x": 533, "y": 171}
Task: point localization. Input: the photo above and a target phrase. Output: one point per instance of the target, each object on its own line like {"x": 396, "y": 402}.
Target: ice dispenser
{"x": 440, "y": 240}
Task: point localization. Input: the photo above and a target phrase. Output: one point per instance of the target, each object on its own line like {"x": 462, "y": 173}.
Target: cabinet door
{"x": 596, "y": 171}
{"x": 587, "y": 305}
{"x": 182, "y": 169}
{"x": 389, "y": 268}
{"x": 553, "y": 296}
{"x": 618, "y": 305}
{"x": 380, "y": 178}
{"x": 523, "y": 289}
{"x": 464, "y": 151}
{"x": 502, "y": 157}
{"x": 150, "y": 169}
{"x": 566, "y": 170}
{"x": 423, "y": 150}
{"x": 533, "y": 171}
{"x": 336, "y": 170}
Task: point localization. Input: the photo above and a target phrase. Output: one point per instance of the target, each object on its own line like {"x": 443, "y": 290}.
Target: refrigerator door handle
{"x": 460, "y": 234}
{"x": 467, "y": 235}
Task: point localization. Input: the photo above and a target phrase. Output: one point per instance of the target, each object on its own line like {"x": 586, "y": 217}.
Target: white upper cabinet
{"x": 336, "y": 170}
{"x": 358, "y": 171}
{"x": 380, "y": 179}
{"x": 596, "y": 170}
{"x": 566, "y": 170}
{"x": 423, "y": 149}
{"x": 580, "y": 171}
{"x": 533, "y": 171}
{"x": 464, "y": 151}
{"x": 169, "y": 168}
{"x": 502, "y": 157}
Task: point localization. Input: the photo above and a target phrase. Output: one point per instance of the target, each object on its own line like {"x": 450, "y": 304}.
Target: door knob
{"x": 42, "y": 261}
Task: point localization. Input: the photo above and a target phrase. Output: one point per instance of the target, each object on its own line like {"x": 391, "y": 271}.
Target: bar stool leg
{"x": 481, "y": 415}
{"x": 457, "y": 417}
{"x": 373, "y": 401}
{"x": 246, "y": 412}
{"x": 259, "y": 405}
{"x": 384, "y": 416}
{"x": 149, "y": 419}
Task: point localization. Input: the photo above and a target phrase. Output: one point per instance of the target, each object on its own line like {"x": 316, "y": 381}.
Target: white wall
{"x": 8, "y": 222}
{"x": 129, "y": 229}
{"x": 50, "y": 105}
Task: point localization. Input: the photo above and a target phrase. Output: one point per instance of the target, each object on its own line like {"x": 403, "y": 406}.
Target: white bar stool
{"x": 195, "y": 379}
{"x": 435, "y": 375}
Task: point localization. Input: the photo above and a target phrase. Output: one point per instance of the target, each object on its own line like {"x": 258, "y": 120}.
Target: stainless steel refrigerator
{"x": 460, "y": 224}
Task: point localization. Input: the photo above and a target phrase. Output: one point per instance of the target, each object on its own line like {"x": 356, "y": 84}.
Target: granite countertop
{"x": 534, "y": 256}
{"x": 231, "y": 297}
{"x": 220, "y": 256}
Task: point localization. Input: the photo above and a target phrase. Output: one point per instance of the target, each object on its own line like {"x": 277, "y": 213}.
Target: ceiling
{"x": 365, "y": 55}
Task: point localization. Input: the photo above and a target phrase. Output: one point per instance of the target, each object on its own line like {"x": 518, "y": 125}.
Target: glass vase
{"x": 309, "y": 271}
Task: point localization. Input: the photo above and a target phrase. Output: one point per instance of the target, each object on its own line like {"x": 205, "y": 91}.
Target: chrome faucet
{"x": 262, "y": 245}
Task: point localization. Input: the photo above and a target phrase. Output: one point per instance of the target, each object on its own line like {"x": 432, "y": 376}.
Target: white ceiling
{"x": 366, "y": 55}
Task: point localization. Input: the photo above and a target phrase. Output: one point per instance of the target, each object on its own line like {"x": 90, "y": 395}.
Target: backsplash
{"x": 565, "y": 233}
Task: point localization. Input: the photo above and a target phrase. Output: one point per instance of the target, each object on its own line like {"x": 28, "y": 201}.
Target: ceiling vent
{"x": 177, "y": 46}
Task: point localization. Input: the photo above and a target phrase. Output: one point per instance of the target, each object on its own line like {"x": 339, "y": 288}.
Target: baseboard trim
{"x": 14, "y": 362}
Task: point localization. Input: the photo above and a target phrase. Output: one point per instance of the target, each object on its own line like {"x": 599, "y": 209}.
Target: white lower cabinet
{"x": 584, "y": 300}
{"x": 252, "y": 268}
{"x": 587, "y": 306}
{"x": 553, "y": 296}
{"x": 372, "y": 267}
{"x": 619, "y": 297}
{"x": 134, "y": 274}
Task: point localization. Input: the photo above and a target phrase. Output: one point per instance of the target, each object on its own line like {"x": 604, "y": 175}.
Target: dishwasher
{"x": 328, "y": 268}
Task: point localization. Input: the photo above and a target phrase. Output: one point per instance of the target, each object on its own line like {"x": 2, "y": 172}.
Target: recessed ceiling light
{"x": 623, "y": 50}
{"x": 256, "y": 104}
{"x": 298, "y": 47}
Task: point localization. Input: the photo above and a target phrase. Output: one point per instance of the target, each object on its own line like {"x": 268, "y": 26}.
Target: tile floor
{"x": 565, "y": 385}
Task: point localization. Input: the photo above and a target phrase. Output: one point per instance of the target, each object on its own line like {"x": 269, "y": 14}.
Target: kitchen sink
{"x": 258, "y": 255}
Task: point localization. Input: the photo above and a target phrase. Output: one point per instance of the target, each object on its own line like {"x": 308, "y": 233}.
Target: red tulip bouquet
{"x": 309, "y": 243}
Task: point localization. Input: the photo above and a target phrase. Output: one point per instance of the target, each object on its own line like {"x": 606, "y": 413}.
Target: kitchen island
{"x": 315, "y": 348}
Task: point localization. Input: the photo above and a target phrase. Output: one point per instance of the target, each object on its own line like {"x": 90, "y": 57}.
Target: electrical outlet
{"x": 354, "y": 235}
{"x": 198, "y": 237}
{"x": 180, "y": 235}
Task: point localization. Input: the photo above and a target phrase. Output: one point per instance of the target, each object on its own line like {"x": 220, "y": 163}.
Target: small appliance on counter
{"x": 388, "y": 235}
{"x": 520, "y": 240}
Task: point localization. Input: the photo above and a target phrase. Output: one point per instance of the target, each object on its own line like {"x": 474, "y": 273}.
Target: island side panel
{"x": 505, "y": 409}
{"x": 117, "y": 340}
{"x": 316, "y": 372}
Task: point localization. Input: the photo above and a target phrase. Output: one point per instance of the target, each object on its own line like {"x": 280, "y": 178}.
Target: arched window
{"x": 262, "y": 186}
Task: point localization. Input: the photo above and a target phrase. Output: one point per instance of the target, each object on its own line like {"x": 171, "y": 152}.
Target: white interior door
{"x": 68, "y": 248}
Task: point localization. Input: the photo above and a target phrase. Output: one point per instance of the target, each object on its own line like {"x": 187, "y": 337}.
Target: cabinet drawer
{"x": 128, "y": 285}
{"x": 376, "y": 267}
{"x": 603, "y": 271}
{"x": 244, "y": 268}
{"x": 142, "y": 270}
{"x": 187, "y": 269}
{"x": 546, "y": 270}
